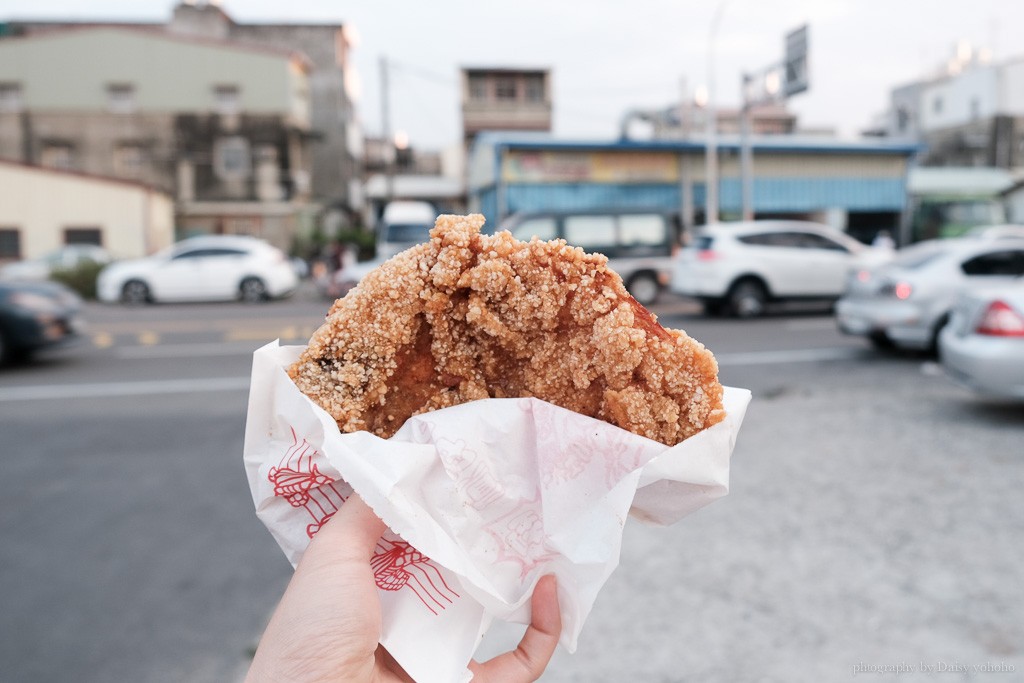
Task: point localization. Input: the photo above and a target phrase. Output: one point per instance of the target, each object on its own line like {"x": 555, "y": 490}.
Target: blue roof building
{"x": 860, "y": 187}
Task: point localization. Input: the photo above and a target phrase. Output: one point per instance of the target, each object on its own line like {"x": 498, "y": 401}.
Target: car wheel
{"x": 135, "y": 293}
{"x": 933, "y": 345}
{"x": 747, "y": 299}
{"x": 12, "y": 355}
{"x": 252, "y": 290}
{"x": 713, "y": 307}
{"x": 644, "y": 288}
{"x": 881, "y": 341}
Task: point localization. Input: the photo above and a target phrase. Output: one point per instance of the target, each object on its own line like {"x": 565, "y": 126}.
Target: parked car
{"x": 336, "y": 284}
{"x": 64, "y": 258}
{"x": 907, "y": 302}
{"x": 996, "y": 232}
{"x": 403, "y": 224}
{"x": 741, "y": 267}
{"x": 205, "y": 268}
{"x": 638, "y": 243}
{"x": 982, "y": 347}
{"x": 36, "y": 315}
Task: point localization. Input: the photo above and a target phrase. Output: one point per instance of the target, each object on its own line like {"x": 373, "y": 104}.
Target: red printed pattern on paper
{"x": 299, "y": 481}
{"x": 397, "y": 565}
{"x": 519, "y": 536}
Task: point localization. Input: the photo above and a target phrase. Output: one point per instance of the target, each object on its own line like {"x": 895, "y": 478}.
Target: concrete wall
{"x": 969, "y": 96}
{"x": 1011, "y": 88}
{"x": 133, "y": 219}
{"x": 70, "y": 70}
{"x": 331, "y": 81}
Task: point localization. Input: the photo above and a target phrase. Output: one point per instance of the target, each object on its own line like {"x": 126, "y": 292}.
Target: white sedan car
{"x": 982, "y": 347}
{"x": 205, "y": 268}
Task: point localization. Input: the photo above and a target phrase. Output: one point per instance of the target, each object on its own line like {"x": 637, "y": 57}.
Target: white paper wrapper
{"x": 485, "y": 498}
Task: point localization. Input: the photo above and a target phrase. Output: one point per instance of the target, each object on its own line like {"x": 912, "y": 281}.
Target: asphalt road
{"x": 875, "y": 517}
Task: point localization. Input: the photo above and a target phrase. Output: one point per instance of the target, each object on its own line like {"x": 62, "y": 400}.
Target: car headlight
{"x": 35, "y": 303}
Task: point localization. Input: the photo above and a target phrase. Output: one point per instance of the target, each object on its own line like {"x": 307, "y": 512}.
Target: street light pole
{"x": 746, "y": 157}
{"x": 711, "y": 124}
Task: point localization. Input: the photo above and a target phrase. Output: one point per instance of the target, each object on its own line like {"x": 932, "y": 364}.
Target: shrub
{"x": 81, "y": 278}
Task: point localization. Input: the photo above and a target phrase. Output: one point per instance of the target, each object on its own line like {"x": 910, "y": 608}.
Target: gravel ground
{"x": 864, "y": 529}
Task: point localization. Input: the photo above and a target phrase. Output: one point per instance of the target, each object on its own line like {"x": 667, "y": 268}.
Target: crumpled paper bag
{"x": 483, "y": 498}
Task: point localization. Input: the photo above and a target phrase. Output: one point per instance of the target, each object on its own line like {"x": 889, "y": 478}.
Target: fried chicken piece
{"x": 468, "y": 316}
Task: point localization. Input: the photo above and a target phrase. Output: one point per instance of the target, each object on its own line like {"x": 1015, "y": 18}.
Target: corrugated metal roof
{"x": 778, "y": 143}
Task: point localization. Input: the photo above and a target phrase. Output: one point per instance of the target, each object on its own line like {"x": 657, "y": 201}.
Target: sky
{"x": 610, "y": 56}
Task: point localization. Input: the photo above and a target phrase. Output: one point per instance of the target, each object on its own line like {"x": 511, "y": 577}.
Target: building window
{"x": 477, "y": 88}
{"x": 10, "y": 98}
{"x": 58, "y": 155}
{"x": 121, "y": 98}
{"x": 129, "y": 159}
{"x": 937, "y": 105}
{"x": 226, "y": 99}
{"x": 241, "y": 225}
{"x": 534, "y": 86}
{"x": 92, "y": 236}
{"x": 505, "y": 88}
{"x": 10, "y": 244}
{"x": 232, "y": 158}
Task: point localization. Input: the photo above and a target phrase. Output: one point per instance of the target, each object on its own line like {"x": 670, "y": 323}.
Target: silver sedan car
{"x": 982, "y": 347}
{"x": 907, "y": 302}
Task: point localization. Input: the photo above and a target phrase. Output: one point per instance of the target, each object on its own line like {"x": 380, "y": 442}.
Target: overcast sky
{"x": 609, "y": 56}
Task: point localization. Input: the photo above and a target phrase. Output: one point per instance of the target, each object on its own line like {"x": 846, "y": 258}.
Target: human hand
{"x": 328, "y": 624}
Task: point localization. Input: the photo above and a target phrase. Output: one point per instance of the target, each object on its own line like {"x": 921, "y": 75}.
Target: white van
{"x": 403, "y": 224}
{"x": 639, "y": 243}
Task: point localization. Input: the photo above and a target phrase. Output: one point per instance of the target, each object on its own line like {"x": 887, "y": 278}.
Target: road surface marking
{"x": 811, "y": 324}
{"x": 252, "y": 335}
{"x": 790, "y": 356}
{"x": 50, "y": 392}
{"x": 186, "y": 350}
{"x": 103, "y": 340}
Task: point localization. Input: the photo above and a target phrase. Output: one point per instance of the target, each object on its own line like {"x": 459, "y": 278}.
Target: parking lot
{"x": 875, "y": 517}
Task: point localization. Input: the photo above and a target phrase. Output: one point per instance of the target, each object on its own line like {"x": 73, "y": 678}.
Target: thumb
{"x": 351, "y": 534}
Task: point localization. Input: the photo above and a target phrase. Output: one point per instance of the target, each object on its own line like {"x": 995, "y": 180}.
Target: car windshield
{"x": 408, "y": 232}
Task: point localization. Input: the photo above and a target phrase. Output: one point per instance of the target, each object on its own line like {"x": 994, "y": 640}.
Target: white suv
{"x": 740, "y": 267}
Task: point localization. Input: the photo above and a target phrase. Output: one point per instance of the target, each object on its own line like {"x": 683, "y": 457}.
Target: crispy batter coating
{"x": 469, "y": 316}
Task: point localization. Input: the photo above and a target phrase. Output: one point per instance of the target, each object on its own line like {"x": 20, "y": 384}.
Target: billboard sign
{"x": 795, "y": 71}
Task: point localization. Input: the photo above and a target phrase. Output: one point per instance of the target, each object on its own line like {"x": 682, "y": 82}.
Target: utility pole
{"x": 685, "y": 186}
{"x": 711, "y": 143}
{"x": 776, "y": 83}
{"x": 385, "y": 116}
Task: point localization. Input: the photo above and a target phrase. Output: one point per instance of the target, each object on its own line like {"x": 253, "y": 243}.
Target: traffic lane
{"x": 769, "y": 333}
{"x": 132, "y": 548}
{"x": 88, "y": 365}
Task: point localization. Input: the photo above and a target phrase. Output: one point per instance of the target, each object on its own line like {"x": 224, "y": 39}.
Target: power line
{"x": 425, "y": 74}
